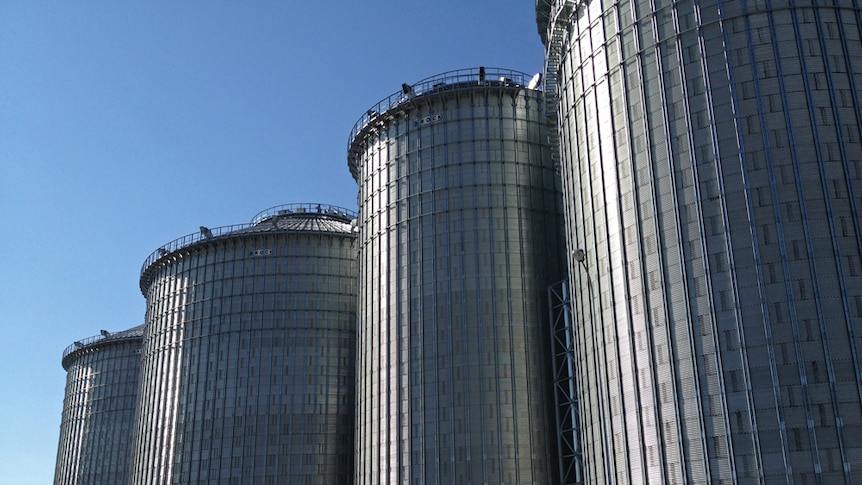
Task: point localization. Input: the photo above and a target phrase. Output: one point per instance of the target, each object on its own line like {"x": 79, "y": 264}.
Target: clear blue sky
{"x": 124, "y": 125}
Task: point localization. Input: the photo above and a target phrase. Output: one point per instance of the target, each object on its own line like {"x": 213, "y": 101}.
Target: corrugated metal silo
{"x": 459, "y": 239}
{"x": 248, "y": 363}
{"x": 99, "y": 408}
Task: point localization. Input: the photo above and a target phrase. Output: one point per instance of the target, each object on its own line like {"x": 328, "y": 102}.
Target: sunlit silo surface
{"x": 712, "y": 171}
{"x": 249, "y": 350}
{"x": 99, "y": 408}
{"x": 458, "y": 242}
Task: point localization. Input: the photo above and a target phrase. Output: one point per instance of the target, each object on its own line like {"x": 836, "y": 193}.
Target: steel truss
{"x": 565, "y": 386}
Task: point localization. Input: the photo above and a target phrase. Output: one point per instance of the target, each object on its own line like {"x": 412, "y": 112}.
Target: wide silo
{"x": 458, "y": 241}
{"x": 249, "y": 349}
{"x": 99, "y": 408}
{"x": 712, "y": 172}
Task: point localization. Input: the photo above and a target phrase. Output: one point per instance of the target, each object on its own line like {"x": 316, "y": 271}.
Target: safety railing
{"x": 205, "y": 233}
{"x": 447, "y": 81}
{"x": 134, "y": 334}
{"x": 82, "y": 343}
{"x": 188, "y": 240}
{"x": 346, "y": 215}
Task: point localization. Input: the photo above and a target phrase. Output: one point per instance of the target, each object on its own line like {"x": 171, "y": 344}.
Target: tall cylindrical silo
{"x": 99, "y": 408}
{"x": 458, "y": 241}
{"x": 712, "y": 172}
{"x": 249, "y": 350}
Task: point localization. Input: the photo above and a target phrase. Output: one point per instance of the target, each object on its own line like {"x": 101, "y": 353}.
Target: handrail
{"x": 543, "y": 16}
{"x": 331, "y": 211}
{"x": 79, "y": 344}
{"x": 84, "y": 343}
{"x": 450, "y": 80}
{"x": 189, "y": 239}
{"x": 335, "y": 211}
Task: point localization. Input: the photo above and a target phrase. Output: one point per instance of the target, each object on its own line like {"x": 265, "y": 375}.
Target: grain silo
{"x": 711, "y": 156}
{"x": 459, "y": 237}
{"x": 98, "y": 408}
{"x": 249, "y": 349}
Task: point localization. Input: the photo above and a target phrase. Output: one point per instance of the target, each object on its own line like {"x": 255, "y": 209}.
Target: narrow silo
{"x": 459, "y": 238}
{"x": 98, "y": 408}
{"x": 249, "y": 350}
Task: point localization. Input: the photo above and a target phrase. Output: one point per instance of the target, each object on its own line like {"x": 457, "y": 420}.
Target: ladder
{"x": 560, "y": 14}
